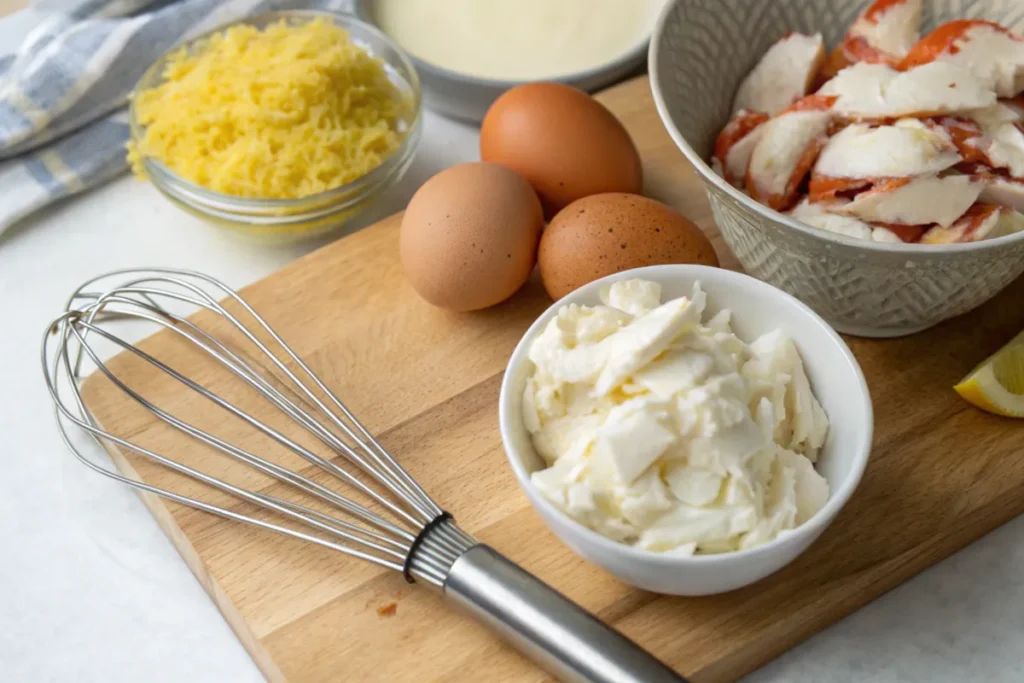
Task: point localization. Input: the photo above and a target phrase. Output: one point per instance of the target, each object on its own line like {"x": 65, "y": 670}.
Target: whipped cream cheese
{"x": 669, "y": 433}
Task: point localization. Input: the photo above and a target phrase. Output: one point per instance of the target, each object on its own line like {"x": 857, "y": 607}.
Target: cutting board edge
{"x": 916, "y": 560}
{"x": 874, "y": 582}
{"x": 165, "y": 519}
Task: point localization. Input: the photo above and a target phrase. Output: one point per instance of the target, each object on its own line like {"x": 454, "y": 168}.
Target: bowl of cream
{"x": 689, "y": 429}
{"x": 469, "y": 52}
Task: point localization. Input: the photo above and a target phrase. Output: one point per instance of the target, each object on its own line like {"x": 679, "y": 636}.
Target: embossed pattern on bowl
{"x": 700, "y": 51}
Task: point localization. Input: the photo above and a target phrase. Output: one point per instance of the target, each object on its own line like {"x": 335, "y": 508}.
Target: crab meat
{"x": 1016, "y": 105}
{"x": 717, "y": 167}
{"x": 1008, "y": 192}
{"x": 885, "y": 234}
{"x": 993, "y": 53}
{"x": 916, "y": 201}
{"x": 835, "y": 62}
{"x": 1003, "y": 111}
{"x": 992, "y": 137}
{"x": 884, "y": 33}
{"x": 965, "y": 134}
{"x": 782, "y": 76}
{"x": 736, "y": 143}
{"x": 818, "y": 216}
{"x": 889, "y": 26}
{"x": 1003, "y": 144}
{"x": 856, "y": 49}
{"x": 823, "y": 188}
{"x": 859, "y": 151}
{"x": 784, "y": 155}
{"x": 812, "y": 103}
{"x": 981, "y": 221}
{"x": 878, "y": 91}
{"x": 903, "y": 233}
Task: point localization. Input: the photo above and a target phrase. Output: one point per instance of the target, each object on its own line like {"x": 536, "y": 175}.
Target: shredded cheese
{"x": 285, "y": 112}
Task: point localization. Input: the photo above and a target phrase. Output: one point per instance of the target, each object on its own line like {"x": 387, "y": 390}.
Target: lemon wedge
{"x": 997, "y": 385}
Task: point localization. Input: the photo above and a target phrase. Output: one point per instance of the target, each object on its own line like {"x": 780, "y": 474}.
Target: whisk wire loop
{"x": 281, "y": 506}
{"x": 390, "y": 521}
{"x": 421, "y": 542}
{"x": 394, "y": 478}
{"x": 228, "y": 448}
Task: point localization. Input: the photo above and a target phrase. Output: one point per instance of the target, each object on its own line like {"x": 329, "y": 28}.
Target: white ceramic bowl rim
{"x": 837, "y": 499}
{"x": 710, "y": 176}
{"x": 629, "y": 55}
{"x": 567, "y": 78}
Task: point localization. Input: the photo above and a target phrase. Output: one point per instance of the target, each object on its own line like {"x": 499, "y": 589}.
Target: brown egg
{"x": 608, "y": 233}
{"x": 469, "y": 236}
{"x": 563, "y": 141}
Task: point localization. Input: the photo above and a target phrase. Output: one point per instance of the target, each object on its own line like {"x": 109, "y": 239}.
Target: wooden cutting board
{"x": 941, "y": 474}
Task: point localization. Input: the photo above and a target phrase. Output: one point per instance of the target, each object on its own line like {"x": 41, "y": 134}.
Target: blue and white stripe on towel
{"x": 62, "y": 93}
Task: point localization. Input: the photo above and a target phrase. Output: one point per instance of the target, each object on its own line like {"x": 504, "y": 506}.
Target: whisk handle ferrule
{"x": 566, "y": 640}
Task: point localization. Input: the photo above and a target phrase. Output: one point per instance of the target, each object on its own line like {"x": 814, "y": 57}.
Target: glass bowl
{"x": 293, "y": 220}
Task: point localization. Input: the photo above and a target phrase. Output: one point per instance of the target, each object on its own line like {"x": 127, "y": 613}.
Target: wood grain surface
{"x": 941, "y": 474}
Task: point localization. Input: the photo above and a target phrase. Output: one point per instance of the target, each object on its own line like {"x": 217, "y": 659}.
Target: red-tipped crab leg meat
{"x": 882, "y": 34}
{"x": 783, "y": 75}
{"x": 992, "y": 137}
{"x": 861, "y": 155}
{"x": 788, "y": 147}
{"x": 1008, "y": 192}
{"x": 736, "y": 143}
{"x": 916, "y": 201}
{"x": 993, "y": 53}
{"x": 818, "y": 216}
{"x": 876, "y": 91}
{"x": 981, "y": 221}
{"x": 885, "y": 32}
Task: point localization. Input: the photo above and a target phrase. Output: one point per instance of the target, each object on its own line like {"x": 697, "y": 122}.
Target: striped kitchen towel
{"x": 63, "y": 124}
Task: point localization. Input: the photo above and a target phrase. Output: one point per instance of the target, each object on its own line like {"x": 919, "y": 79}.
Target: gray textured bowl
{"x": 699, "y": 52}
{"x": 468, "y": 97}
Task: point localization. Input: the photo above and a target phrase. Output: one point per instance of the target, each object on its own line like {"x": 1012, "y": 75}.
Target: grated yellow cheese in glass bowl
{"x": 281, "y": 127}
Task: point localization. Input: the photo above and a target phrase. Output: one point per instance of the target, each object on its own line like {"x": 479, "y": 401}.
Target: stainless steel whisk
{"x": 399, "y": 527}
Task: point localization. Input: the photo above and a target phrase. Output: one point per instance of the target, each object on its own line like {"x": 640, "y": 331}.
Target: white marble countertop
{"x": 90, "y": 589}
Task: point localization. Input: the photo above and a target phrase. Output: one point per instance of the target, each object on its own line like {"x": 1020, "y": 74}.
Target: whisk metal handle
{"x": 547, "y": 627}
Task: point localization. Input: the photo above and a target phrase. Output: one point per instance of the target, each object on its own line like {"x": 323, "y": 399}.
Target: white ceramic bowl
{"x": 700, "y": 51}
{"x": 835, "y": 377}
{"x": 467, "y": 98}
